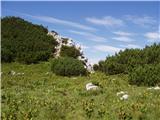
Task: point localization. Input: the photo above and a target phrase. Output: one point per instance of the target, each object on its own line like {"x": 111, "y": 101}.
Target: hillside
{"x": 28, "y": 43}
{"x": 142, "y": 65}
{"x": 124, "y": 86}
{"x": 38, "y": 94}
{"x": 66, "y": 47}
{"x": 25, "y": 42}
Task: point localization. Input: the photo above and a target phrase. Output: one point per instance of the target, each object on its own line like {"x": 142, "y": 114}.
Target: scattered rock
{"x": 154, "y": 88}
{"x": 63, "y": 41}
{"x": 20, "y": 74}
{"x": 14, "y": 73}
{"x": 121, "y": 93}
{"x": 124, "y": 97}
{"x": 90, "y": 86}
{"x": 157, "y": 88}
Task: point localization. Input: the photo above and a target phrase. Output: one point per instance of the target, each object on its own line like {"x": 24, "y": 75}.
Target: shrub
{"x": 125, "y": 61}
{"x": 95, "y": 67}
{"x": 66, "y": 66}
{"x": 67, "y": 51}
{"x": 25, "y": 42}
{"x": 113, "y": 68}
{"x": 147, "y": 75}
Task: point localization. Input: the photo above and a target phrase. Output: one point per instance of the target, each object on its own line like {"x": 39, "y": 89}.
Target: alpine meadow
{"x": 107, "y": 67}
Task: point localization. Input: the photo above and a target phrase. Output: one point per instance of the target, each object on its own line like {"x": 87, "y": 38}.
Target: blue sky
{"x": 102, "y": 28}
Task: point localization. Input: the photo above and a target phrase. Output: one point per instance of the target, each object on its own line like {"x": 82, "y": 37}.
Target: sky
{"x": 101, "y": 28}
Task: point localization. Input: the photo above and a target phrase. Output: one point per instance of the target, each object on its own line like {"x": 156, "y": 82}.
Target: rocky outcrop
{"x": 62, "y": 41}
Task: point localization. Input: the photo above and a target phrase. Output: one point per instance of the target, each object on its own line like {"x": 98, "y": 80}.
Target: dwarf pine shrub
{"x": 66, "y": 66}
{"x": 147, "y": 75}
{"x": 25, "y": 42}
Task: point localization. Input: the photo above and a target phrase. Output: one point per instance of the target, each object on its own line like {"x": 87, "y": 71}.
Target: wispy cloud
{"x": 93, "y": 61}
{"x": 84, "y": 47}
{"x": 89, "y": 36}
{"x": 123, "y": 39}
{"x": 141, "y": 20}
{"x": 106, "y": 21}
{"x": 107, "y": 48}
{"x": 54, "y": 20}
{"x": 152, "y": 36}
{"x": 130, "y": 46}
{"x": 122, "y": 33}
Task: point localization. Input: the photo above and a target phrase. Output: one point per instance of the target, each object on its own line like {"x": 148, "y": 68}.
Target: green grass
{"x": 40, "y": 96}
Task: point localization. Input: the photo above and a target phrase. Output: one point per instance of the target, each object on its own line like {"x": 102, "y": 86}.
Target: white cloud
{"x": 122, "y": 33}
{"x": 152, "y": 36}
{"x": 60, "y": 21}
{"x": 89, "y": 36}
{"x": 123, "y": 39}
{"x": 141, "y": 20}
{"x": 130, "y": 46}
{"x": 106, "y": 48}
{"x": 106, "y": 21}
{"x": 93, "y": 61}
{"x": 84, "y": 47}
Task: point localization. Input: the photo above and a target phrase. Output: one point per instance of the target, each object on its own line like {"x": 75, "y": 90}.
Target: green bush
{"x": 147, "y": 75}
{"x": 66, "y": 66}
{"x": 25, "y": 42}
{"x": 67, "y": 51}
{"x": 114, "y": 68}
{"x": 111, "y": 66}
{"x": 125, "y": 61}
{"x": 95, "y": 67}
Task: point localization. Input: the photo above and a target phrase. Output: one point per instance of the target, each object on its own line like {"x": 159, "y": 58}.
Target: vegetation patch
{"x": 66, "y": 66}
{"x": 69, "y": 51}
{"x": 36, "y": 95}
{"x": 147, "y": 75}
{"x": 142, "y": 65}
{"x": 25, "y": 42}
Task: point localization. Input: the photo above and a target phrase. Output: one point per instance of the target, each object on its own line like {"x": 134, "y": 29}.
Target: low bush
{"x": 147, "y": 75}
{"x": 25, "y": 42}
{"x": 114, "y": 68}
{"x": 95, "y": 67}
{"x": 66, "y": 66}
{"x": 69, "y": 51}
{"x": 128, "y": 59}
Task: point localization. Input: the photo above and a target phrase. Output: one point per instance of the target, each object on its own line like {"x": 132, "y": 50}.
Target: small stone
{"x": 90, "y": 86}
{"x": 154, "y": 88}
{"x": 121, "y": 93}
{"x": 157, "y": 88}
{"x": 124, "y": 97}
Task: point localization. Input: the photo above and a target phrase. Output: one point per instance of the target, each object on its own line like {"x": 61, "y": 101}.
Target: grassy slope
{"x": 42, "y": 96}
